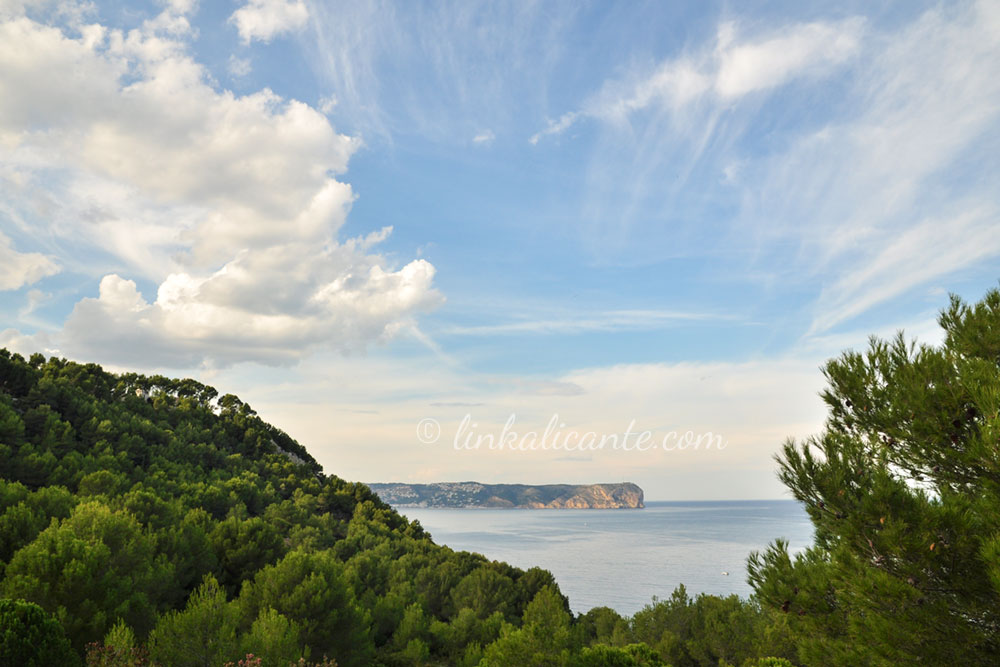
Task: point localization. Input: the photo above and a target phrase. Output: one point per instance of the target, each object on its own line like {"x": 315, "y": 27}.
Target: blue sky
{"x": 359, "y": 215}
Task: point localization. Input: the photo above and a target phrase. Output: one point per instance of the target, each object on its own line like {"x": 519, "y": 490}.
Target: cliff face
{"x": 623, "y": 495}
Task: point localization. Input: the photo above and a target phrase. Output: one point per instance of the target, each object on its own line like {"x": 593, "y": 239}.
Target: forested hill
{"x": 150, "y": 521}
{"x": 122, "y": 495}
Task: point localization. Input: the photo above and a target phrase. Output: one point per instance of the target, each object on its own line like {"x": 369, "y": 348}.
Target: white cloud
{"x": 794, "y": 51}
{"x": 891, "y": 156}
{"x": 249, "y": 310}
{"x": 923, "y": 253}
{"x": 72, "y": 11}
{"x": 265, "y": 19}
{"x": 616, "y": 320}
{"x": 243, "y": 168}
{"x": 731, "y": 70}
{"x": 754, "y": 405}
{"x": 555, "y": 126}
{"x": 923, "y": 328}
{"x": 117, "y": 142}
{"x": 327, "y": 104}
{"x": 182, "y": 6}
{"x": 661, "y": 135}
{"x": 18, "y": 269}
{"x": 239, "y": 67}
{"x": 35, "y": 298}
{"x": 894, "y": 196}
{"x": 455, "y": 65}
{"x": 27, "y": 344}
{"x": 485, "y": 137}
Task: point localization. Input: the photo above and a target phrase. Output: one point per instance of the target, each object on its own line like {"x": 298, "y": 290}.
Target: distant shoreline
{"x": 510, "y": 509}
{"x": 475, "y": 495}
{"x": 646, "y": 504}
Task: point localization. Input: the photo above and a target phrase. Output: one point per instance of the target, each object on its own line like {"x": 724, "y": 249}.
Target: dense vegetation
{"x": 148, "y": 520}
{"x": 145, "y": 520}
{"x": 903, "y": 487}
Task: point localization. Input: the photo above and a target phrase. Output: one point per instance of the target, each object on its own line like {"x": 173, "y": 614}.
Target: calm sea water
{"x": 622, "y": 558}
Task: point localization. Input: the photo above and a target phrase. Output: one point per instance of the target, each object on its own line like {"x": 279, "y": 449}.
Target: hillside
{"x": 624, "y": 495}
{"x": 151, "y": 521}
{"x": 127, "y": 498}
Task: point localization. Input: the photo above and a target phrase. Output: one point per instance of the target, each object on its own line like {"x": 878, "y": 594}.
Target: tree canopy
{"x": 902, "y": 487}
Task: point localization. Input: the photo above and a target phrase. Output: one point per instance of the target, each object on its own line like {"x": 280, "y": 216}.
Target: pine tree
{"x": 29, "y": 637}
{"x": 903, "y": 488}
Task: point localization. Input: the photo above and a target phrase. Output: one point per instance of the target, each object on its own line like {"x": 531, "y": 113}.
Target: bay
{"x": 622, "y": 558}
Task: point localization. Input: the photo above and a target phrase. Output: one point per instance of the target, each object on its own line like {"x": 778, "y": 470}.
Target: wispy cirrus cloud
{"x": 558, "y": 126}
{"x": 880, "y": 146}
{"x": 616, "y": 320}
{"x": 441, "y": 71}
{"x": 663, "y": 138}
{"x": 925, "y": 252}
{"x": 900, "y": 191}
{"x": 484, "y": 138}
{"x": 733, "y": 68}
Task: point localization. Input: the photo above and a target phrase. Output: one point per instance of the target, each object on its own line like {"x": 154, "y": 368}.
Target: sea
{"x": 624, "y": 558}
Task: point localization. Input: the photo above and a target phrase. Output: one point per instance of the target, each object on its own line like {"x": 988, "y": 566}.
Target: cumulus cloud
{"x": 27, "y": 344}
{"x": 120, "y": 142}
{"x": 18, "y": 269}
{"x": 245, "y": 167}
{"x": 342, "y": 298}
{"x": 265, "y": 19}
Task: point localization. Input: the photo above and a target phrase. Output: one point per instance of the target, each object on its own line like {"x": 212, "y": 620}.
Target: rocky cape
{"x": 623, "y": 495}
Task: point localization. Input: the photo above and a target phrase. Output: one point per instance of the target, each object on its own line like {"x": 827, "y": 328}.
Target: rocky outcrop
{"x": 623, "y": 495}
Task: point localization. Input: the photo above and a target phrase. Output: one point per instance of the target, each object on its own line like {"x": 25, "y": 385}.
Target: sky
{"x": 399, "y": 230}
